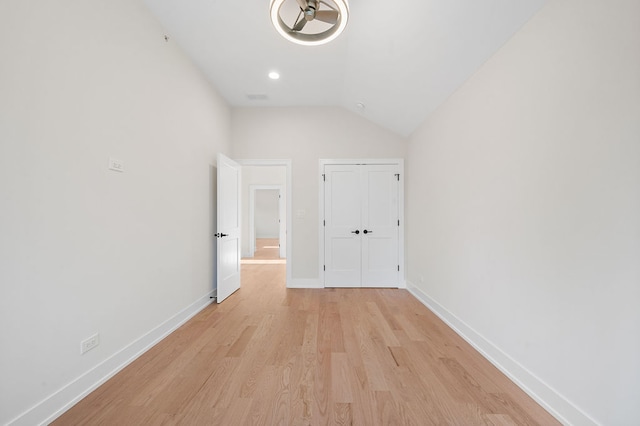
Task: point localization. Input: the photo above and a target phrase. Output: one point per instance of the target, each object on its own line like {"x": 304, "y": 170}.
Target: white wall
{"x": 305, "y": 135}
{"x": 84, "y": 249}
{"x": 524, "y": 209}
{"x": 258, "y": 175}
{"x": 266, "y": 213}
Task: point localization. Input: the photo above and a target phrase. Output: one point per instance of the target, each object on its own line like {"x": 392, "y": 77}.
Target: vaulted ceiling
{"x": 399, "y": 58}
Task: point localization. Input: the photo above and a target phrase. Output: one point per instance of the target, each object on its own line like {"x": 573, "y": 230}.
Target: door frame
{"x": 399, "y": 162}
{"x": 288, "y": 191}
{"x": 282, "y": 226}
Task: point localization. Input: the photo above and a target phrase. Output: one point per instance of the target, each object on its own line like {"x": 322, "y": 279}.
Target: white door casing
{"x": 361, "y": 210}
{"x": 282, "y": 237}
{"x": 228, "y": 228}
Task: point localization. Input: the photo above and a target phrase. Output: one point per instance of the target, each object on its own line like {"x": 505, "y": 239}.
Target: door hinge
{"x": 398, "y": 268}
{"x": 398, "y": 222}
{"x": 324, "y": 223}
{"x": 397, "y": 175}
{"x": 324, "y": 177}
{"x": 324, "y": 267}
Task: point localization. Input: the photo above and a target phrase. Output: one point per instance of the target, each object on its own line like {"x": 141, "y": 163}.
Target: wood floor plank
{"x": 363, "y": 405}
{"x": 386, "y": 411}
{"x": 410, "y": 327}
{"x": 261, "y": 412}
{"x": 322, "y": 376}
{"x": 204, "y": 406}
{"x": 237, "y": 413}
{"x": 270, "y": 355}
{"x": 241, "y": 343}
{"x": 340, "y": 382}
{"x": 342, "y": 414}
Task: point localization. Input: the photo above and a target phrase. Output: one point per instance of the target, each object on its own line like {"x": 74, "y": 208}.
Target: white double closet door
{"x": 361, "y": 225}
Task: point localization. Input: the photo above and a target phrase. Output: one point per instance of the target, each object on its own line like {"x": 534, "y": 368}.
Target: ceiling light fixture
{"x": 332, "y": 13}
{"x": 273, "y": 75}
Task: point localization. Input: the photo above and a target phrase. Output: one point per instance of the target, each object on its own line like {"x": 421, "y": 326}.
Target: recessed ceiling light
{"x": 333, "y": 13}
{"x": 274, "y": 75}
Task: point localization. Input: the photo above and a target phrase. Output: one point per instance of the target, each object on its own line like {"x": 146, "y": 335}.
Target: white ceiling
{"x": 401, "y": 58}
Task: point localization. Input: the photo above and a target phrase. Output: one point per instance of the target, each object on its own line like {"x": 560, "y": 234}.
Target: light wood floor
{"x": 269, "y": 355}
{"x": 267, "y": 248}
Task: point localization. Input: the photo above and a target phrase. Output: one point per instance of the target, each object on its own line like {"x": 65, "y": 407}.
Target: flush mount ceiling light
{"x": 309, "y": 22}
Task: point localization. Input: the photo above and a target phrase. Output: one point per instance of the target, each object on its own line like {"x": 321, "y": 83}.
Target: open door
{"x": 228, "y": 228}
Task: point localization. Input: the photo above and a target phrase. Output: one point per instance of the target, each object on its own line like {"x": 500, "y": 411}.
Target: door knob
{"x": 367, "y": 232}
{"x": 357, "y": 231}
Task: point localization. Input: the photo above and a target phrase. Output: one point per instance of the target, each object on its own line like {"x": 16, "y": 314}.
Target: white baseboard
{"x": 552, "y": 401}
{"x": 305, "y": 283}
{"x": 56, "y": 404}
{"x": 317, "y": 283}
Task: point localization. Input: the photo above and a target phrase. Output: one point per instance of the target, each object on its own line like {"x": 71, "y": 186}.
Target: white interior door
{"x": 361, "y": 228}
{"x": 342, "y": 229}
{"x": 228, "y": 228}
{"x": 380, "y": 226}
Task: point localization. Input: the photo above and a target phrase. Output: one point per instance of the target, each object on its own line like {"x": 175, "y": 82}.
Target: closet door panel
{"x": 380, "y": 220}
{"x": 342, "y": 218}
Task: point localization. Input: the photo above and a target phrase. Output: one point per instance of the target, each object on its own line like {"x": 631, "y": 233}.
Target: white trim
{"x": 52, "y": 407}
{"x": 282, "y": 224}
{"x": 357, "y": 161}
{"x": 289, "y": 197}
{"x": 401, "y": 279}
{"x": 282, "y": 227}
{"x": 306, "y": 283}
{"x": 552, "y": 401}
{"x": 378, "y": 161}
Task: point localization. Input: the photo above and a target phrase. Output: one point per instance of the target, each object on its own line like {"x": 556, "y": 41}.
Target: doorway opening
{"x": 267, "y": 221}
{"x": 266, "y": 212}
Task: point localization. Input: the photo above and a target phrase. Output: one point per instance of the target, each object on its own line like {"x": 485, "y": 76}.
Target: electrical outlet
{"x": 90, "y": 343}
{"x": 116, "y": 165}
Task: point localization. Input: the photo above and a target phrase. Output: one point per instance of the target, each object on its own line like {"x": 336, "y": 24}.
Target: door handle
{"x": 220, "y": 235}
{"x": 357, "y": 231}
{"x": 367, "y": 232}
